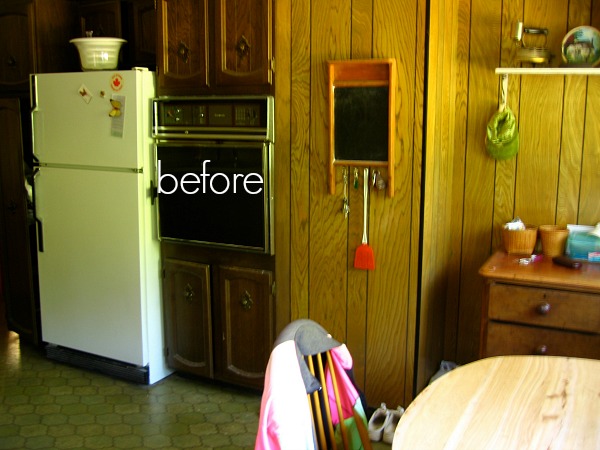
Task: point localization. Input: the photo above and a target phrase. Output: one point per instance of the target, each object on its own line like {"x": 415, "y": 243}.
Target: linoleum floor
{"x": 49, "y": 405}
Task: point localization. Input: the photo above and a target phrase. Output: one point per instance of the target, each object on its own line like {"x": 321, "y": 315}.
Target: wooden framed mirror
{"x": 361, "y": 116}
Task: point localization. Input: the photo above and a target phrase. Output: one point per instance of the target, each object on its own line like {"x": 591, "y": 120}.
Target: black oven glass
{"x": 222, "y": 201}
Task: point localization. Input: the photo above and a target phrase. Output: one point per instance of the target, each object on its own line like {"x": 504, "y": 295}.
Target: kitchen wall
{"x": 374, "y": 312}
{"x": 422, "y": 302}
{"x": 555, "y": 176}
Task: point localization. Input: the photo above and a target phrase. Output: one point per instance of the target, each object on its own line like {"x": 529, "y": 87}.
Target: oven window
{"x": 216, "y": 194}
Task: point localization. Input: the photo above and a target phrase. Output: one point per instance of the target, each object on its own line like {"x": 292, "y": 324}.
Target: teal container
{"x": 583, "y": 245}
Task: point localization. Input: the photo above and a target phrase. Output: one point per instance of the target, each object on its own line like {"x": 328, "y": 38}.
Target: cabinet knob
{"x": 543, "y": 308}
{"x": 188, "y": 293}
{"x": 246, "y": 300}
{"x": 184, "y": 52}
{"x": 11, "y": 61}
{"x": 242, "y": 47}
{"x": 541, "y": 350}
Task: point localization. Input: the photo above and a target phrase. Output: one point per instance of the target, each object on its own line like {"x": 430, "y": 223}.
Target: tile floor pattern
{"x": 50, "y": 405}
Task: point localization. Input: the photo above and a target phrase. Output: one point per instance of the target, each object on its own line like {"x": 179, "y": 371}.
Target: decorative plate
{"x": 581, "y": 47}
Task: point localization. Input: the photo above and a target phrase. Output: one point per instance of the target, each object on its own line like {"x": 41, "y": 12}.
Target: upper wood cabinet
{"x": 243, "y": 49}
{"x": 34, "y": 37}
{"x": 132, "y": 20}
{"x": 102, "y": 18}
{"x": 182, "y": 46}
{"x": 214, "y": 47}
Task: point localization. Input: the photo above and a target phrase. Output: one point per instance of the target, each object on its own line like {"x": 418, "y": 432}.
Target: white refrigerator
{"x": 98, "y": 251}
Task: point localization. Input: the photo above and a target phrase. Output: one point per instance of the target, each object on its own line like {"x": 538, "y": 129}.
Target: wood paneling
{"x": 423, "y": 300}
{"x": 553, "y": 179}
{"x": 374, "y": 312}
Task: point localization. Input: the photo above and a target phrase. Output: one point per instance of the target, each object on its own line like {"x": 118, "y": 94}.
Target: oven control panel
{"x": 199, "y": 115}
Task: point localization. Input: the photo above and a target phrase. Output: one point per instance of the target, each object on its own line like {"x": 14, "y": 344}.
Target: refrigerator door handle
{"x": 33, "y": 95}
{"x": 33, "y": 91}
{"x": 153, "y": 192}
{"x": 40, "y": 233}
{"x": 38, "y": 222}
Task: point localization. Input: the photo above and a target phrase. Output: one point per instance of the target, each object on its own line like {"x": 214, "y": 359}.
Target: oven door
{"x": 215, "y": 193}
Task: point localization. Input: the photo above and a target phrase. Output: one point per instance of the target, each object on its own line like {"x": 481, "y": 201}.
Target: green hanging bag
{"x": 502, "y": 136}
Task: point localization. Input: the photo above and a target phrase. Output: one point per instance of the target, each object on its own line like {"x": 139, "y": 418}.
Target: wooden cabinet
{"x": 214, "y": 47}
{"x": 245, "y": 324}
{"x": 219, "y": 313}
{"x": 182, "y": 46}
{"x": 34, "y": 37}
{"x": 101, "y": 18}
{"x": 540, "y": 308}
{"x": 187, "y": 309}
{"x": 17, "y": 232}
{"x": 132, "y": 20}
{"x": 243, "y": 53}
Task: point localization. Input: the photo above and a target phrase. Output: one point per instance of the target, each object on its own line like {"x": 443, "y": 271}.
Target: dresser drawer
{"x": 508, "y": 339}
{"x": 544, "y": 307}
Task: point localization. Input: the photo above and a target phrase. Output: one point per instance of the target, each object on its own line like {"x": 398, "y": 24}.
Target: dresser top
{"x": 541, "y": 272}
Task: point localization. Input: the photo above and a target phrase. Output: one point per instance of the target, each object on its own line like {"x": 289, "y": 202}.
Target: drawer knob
{"x": 541, "y": 350}
{"x": 543, "y": 308}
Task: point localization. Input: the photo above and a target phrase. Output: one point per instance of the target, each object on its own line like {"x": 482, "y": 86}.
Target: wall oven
{"x": 214, "y": 164}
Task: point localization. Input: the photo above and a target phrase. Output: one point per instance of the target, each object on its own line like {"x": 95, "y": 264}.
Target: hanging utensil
{"x": 364, "y": 258}
{"x": 346, "y": 205}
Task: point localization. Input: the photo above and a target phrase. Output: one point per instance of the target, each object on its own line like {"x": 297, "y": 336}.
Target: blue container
{"x": 583, "y": 245}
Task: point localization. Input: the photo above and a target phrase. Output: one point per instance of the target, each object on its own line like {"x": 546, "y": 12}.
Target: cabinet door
{"x": 243, "y": 36}
{"x": 246, "y": 329}
{"x": 22, "y": 314}
{"x": 188, "y": 331}
{"x": 16, "y": 45}
{"x": 103, "y": 18}
{"x": 182, "y": 46}
{"x": 142, "y": 33}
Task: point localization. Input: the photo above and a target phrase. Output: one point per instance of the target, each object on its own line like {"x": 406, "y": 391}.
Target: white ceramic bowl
{"x": 98, "y": 53}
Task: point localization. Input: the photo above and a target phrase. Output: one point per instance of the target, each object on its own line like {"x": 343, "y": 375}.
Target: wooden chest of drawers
{"x": 540, "y": 308}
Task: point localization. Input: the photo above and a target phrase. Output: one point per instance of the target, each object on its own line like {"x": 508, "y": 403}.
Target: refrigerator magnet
{"x": 117, "y": 113}
{"x": 116, "y": 82}
{"x": 85, "y": 94}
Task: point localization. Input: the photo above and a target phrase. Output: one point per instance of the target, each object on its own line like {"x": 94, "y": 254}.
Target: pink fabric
{"x": 285, "y": 420}
{"x": 342, "y": 361}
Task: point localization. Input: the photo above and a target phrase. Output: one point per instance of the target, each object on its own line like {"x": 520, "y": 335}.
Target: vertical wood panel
{"x": 506, "y": 171}
{"x": 589, "y": 212}
{"x": 540, "y": 124}
{"x": 362, "y": 43}
{"x": 459, "y": 65}
{"x": 573, "y": 120}
{"x": 390, "y": 218}
{"x": 330, "y": 39}
{"x": 300, "y": 146}
{"x": 479, "y": 170}
{"x": 282, "y": 164}
{"x": 411, "y": 374}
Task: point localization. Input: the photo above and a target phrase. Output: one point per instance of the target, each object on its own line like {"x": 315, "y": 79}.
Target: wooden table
{"x": 507, "y": 402}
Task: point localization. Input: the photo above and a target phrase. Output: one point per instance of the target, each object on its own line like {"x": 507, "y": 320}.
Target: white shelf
{"x": 547, "y": 71}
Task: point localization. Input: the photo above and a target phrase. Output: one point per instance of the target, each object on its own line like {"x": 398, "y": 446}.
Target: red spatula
{"x": 364, "y": 258}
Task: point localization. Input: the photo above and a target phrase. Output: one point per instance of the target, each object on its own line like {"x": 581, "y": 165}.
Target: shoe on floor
{"x": 377, "y": 422}
{"x": 390, "y": 425}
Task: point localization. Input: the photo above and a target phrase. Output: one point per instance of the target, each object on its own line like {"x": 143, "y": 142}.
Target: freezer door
{"x": 92, "y": 268}
{"x": 75, "y": 122}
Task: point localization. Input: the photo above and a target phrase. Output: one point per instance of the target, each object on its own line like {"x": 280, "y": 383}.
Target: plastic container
{"x": 98, "y": 53}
